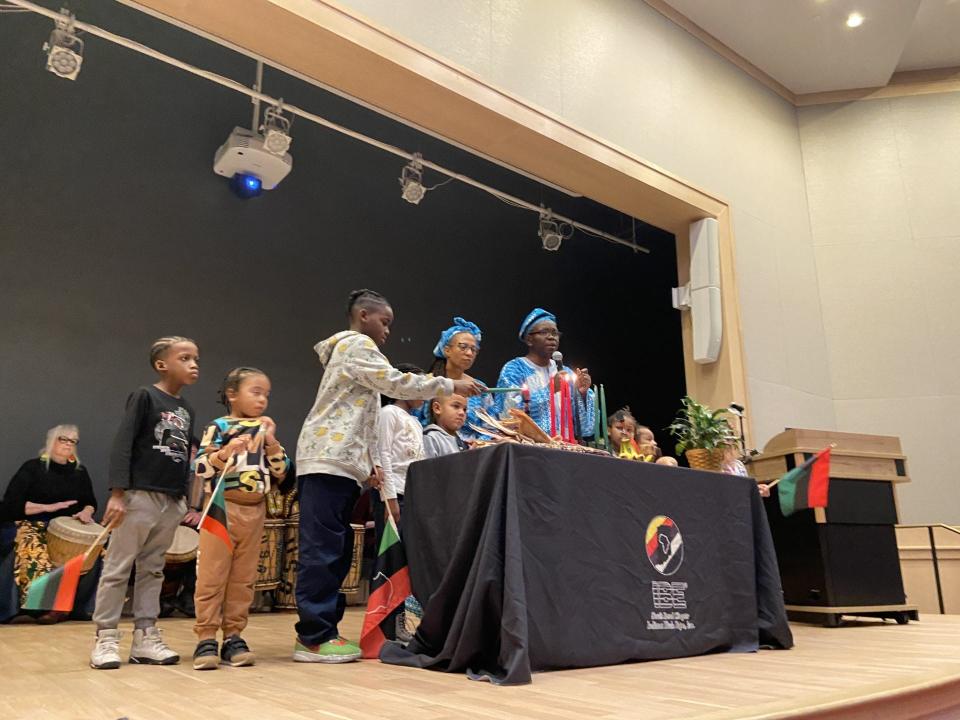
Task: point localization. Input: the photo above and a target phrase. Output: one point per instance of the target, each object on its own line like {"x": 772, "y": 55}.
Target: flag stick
{"x": 100, "y": 537}
{"x": 223, "y": 474}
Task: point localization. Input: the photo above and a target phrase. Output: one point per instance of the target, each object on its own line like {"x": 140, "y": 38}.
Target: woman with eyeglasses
{"x": 52, "y": 485}
{"x": 454, "y": 354}
{"x": 540, "y": 334}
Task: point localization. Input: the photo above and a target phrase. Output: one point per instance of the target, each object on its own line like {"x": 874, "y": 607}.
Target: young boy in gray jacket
{"x": 442, "y": 436}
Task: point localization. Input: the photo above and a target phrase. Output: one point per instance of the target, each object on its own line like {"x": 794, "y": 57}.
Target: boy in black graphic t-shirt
{"x": 149, "y": 468}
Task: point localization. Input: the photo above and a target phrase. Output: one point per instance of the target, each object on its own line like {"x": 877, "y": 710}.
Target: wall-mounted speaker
{"x": 702, "y": 295}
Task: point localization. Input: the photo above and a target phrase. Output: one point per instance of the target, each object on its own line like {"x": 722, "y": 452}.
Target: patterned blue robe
{"x": 520, "y": 371}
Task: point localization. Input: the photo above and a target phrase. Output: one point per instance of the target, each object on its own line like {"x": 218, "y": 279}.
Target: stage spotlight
{"x": 276, "y": 131}
{"x": 246, "y": 186}
{"x": 64, "y": 49}
{"x": 411, "y": 180}
{"x": 549, "y": 233}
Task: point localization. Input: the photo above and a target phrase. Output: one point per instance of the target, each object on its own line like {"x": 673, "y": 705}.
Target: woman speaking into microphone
{"x": 534, "y": 371}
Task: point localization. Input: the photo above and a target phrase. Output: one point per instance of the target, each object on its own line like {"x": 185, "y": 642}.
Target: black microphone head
{"x": 558, "y": 358}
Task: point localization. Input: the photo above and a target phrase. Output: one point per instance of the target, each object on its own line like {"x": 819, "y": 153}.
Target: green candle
{"x": 603, "y": 412}
{"x": 596, "y": 415}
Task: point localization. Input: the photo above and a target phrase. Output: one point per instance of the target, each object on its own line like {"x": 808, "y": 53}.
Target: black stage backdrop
{"x": 114, "y": 230}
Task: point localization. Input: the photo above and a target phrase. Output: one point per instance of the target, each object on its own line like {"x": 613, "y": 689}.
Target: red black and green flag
{"x": 806, "y": 486}
{"x": 57, "y": 589}
{"x": 388, "y": 590}
{"x": 215, "y": 517}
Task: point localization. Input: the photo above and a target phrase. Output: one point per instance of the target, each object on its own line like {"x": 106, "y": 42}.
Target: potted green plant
{"x": 702, "y": 435}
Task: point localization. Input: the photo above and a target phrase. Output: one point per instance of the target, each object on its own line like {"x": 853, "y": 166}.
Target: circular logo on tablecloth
{"x": 664, "y": 545}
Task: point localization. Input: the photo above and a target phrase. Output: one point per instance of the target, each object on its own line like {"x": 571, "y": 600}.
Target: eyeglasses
{"x": 467, "y": 347}
{"x": 68, "y": 440}
{"x": 548, "y": 333}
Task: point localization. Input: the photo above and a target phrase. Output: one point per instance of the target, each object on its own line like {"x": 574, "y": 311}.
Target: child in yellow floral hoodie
{"x": 337, "y": 456}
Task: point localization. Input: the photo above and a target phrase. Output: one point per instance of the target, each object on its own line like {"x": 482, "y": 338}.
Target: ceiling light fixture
{"x": 411, "y": 180}
{"x": 276, "y": 130}
{"x": 552, "y": 233}
{"x": 854, "y": 20}
{"x": 64, "y": 49}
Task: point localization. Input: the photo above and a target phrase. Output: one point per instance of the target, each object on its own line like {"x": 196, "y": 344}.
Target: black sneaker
{"x": 235, "y": 652}
{"x": 205, "y": 656}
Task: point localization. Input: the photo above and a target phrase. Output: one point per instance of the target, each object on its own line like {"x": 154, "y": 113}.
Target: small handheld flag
{"x": 58, "y": 588}
{"x": 806, "y": 486}
{"x": 214, "y": 518}
{"x": 388, "y": 590}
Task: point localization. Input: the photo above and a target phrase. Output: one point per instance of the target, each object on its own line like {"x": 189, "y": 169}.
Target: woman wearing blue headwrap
{"x": 540, "y": 334}
{"x": 454, "y": 354}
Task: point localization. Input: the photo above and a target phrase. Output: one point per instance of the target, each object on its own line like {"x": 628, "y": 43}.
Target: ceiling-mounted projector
{"x": 244, "y": 154}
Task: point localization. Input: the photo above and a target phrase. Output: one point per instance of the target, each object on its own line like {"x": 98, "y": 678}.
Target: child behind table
{"x": 442, "y": 436}
{"x": 244, "y": 442}
{"x": 148, "y": 481}
{"x": 621, "y": 427}
{"x": 650, "y": 449}
{"x": 401, "y": 444}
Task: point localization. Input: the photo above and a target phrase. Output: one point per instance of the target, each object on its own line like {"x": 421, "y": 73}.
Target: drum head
{"x": 185, "y": 541}
{"x": 71, "y": 529}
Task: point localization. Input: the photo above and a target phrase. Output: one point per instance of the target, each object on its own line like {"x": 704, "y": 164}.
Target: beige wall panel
{"x": 876, "y": 322}
{"x": 932, "y": 494}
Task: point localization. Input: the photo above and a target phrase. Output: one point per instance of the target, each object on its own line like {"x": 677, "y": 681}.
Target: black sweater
{"x": 35, "y": 482}
{"x": 152, "y": 448}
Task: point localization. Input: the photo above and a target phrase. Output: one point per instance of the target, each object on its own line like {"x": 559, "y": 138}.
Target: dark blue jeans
{"x": 326, "y": 544}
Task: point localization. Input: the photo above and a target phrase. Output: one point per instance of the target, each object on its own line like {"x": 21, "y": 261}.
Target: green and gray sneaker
{"x": 338, "y": 650}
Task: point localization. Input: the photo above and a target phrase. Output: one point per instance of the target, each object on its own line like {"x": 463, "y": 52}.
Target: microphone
{"x": 558, "y": 359}
{"x": 736, "y": 408}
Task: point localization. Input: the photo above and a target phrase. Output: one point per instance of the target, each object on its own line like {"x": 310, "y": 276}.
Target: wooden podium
{"x": 842, "y": 559}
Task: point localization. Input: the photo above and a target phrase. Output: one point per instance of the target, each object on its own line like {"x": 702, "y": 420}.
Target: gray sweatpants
{"x": 144, "y": 537}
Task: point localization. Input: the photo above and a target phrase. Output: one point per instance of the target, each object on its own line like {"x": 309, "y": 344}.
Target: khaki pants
{"x": 225, "y": 579}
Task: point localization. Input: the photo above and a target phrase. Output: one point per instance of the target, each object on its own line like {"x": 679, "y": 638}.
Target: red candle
{"x": 525, "y": 394}
{"x": 553, "y": 410}
{"x": 571, "y": 437}
{"x": 563, "y": 406}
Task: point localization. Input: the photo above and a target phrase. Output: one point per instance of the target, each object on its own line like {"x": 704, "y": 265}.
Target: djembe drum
{"x": 286, "y": 593}
{"x": 270, "y": 565}
{"x": 67, "y": 537}
{"x": 179, "y": 561}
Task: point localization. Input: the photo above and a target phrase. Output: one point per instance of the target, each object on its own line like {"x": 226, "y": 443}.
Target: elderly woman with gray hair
{"x": 52, "y": 485}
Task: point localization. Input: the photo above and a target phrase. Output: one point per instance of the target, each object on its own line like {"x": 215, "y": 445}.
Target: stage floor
{"x": 45, "y": 675}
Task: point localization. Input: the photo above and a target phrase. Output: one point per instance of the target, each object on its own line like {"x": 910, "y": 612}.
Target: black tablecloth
{"x": 529, "y": 559}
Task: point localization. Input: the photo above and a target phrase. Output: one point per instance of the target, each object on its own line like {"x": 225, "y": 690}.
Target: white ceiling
{"x": 807, "y": 47}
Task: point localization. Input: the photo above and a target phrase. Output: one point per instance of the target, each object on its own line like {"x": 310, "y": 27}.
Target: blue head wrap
{"x": 536, "y": 315}
{"x": 459, "y": 326}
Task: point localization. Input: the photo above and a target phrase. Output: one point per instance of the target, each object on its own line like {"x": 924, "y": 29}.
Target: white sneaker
{"x": 149, "y": 648}
{"x": 106, "y": 653}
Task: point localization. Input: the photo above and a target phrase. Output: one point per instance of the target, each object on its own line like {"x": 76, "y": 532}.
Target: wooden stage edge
{"x": 866, "y": 669}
